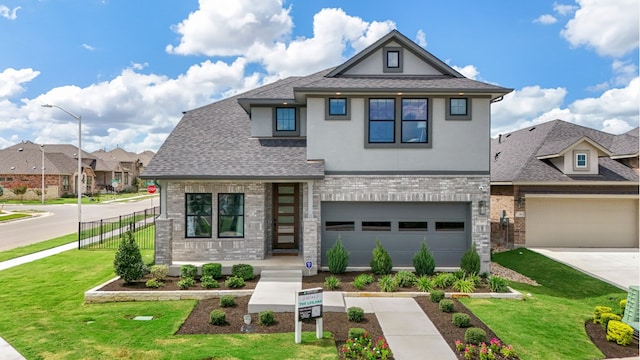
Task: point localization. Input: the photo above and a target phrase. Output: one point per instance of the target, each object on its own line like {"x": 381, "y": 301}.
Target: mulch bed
{"x": 338, "y": 323}
{"x": 170, "y": 283}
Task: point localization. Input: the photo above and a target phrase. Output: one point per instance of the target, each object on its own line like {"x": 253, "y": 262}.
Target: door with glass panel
{"x": 285, "y": 216}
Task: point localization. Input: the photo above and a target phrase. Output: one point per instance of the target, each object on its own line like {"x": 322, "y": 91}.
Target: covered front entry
{"x": 596, "y": 221}
{"x": 400, "y": 227}
{"x": 286, "y": 218}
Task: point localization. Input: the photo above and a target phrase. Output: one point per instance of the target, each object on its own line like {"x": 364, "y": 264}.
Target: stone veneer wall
{"x": 413, "y": 189}
{"x": 251, "y": 247}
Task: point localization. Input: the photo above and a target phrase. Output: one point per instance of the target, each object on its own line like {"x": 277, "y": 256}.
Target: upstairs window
{"x": 285, "y": 122}
{"x": 392, "y": 60}
{"x": 382, "y": 121}
{"x": 398, "y": 122}
{"x": 337, "y": 108}
{"x": 581, "y": 161}
{"x": 458, "y": 108}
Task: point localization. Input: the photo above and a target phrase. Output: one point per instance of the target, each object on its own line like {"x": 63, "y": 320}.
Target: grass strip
{"x": 33, "y": 248}
{"x": 549, "y": 322}
{"x": 13, "y": 217}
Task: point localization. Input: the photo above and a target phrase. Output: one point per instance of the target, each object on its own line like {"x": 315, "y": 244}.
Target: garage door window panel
{"x": 449, "y": 226}
{"x": 340, "y": 226}
{"x": 412, "y": 226}
{"x": 376, "y": 226}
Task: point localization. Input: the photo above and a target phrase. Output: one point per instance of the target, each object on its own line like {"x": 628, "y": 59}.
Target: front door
{"x": 285, "y": 216}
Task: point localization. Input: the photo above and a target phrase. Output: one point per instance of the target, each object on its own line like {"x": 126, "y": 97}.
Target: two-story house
{"x": 392, "y": 145}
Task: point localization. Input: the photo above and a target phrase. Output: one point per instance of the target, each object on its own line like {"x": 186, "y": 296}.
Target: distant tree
{"x": 20, "y": 191}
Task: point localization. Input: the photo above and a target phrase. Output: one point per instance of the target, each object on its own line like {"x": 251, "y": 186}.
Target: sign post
{"x": 308, "y": 264}
{"x": 308, "y": 306}
{"x": 151, "y": 189}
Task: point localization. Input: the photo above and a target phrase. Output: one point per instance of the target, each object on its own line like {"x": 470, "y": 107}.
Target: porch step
{"x": 277, "y": 289}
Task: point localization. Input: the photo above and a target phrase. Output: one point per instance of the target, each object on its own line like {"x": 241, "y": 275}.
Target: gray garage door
{"x": 400, "y": 227}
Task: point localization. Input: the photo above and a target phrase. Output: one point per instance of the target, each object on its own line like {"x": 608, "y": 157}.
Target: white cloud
{"x": 563, "y": 10}
{"x": 10, "y": 14}
{"x": 11, "y": 81}
{"x": 546, "y": 19}
{"x": 624, "y": 72}
{"x": 609, "y": 27}
{"x": 615, "y": 111}
{"x": 469, "y": 71}
{"x": 229, "y": 28}
{"x": 88, "y": 47}
{"x": 421, "y": 38}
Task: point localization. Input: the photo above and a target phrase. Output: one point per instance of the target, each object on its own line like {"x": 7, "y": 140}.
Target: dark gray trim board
{"x": 410, "y": 172}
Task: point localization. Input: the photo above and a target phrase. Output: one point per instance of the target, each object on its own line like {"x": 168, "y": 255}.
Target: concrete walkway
{"x": 406, "y": 327}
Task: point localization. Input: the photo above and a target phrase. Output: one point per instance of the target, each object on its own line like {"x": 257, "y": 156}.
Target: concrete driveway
{"x": 617, "y": 266}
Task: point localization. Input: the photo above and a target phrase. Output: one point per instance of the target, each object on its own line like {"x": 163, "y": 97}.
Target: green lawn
{"x": 74, "y": 200}
{"x": 13, "y": 217}
{"x": 44, "y": 317}
{"x": 43, "y": 245}
{"x": 549, "y": 322}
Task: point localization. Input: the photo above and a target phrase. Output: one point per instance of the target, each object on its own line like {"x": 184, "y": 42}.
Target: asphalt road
{"x": 60, "y": 220}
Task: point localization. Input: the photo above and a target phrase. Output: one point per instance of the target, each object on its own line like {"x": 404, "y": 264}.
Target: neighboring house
{"x": 565, "y": 185}
{"x": 22, "y": 165}
{"x": 392, "y": 145}
{"x": 118, "y": 169}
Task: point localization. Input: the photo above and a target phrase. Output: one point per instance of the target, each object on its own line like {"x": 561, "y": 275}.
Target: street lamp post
{"x": 42, "y": 194}
{"x": 79, "y": 119}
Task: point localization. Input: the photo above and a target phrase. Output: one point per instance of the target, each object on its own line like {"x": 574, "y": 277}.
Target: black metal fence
{"x": 106, "y": 233}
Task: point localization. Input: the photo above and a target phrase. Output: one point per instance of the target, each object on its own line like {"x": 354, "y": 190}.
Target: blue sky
{"x": 129, "y": 68}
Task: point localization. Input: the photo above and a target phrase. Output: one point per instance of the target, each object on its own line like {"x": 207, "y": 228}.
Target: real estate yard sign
{"x": 308, "y": 306}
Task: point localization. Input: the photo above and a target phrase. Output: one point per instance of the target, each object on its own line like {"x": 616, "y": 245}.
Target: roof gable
{"x": 430, "y": 65}
{"x": 559, "y": 148}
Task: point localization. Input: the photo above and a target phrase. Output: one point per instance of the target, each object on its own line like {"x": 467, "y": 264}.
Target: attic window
{"x": 581, "y": 160}
{"x": 392, "y": 60}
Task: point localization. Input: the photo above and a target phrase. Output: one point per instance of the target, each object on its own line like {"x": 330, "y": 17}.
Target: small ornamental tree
{"x": 338, "y": 258}
{"x": 128, "y": 261}
{"x": 381, "y": 263}
{"x": 423, "y": 261}
{"x": 470, "y": 262}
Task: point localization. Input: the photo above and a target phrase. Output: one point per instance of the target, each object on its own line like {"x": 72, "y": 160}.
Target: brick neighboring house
{"x": 21, "y": 165}
{"x": 118, "y": 169}
{"x": 392, "y": 145}
{"x": 565, "y": 185}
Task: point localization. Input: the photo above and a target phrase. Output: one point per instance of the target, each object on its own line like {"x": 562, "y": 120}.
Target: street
{"x": 61, "y": 220}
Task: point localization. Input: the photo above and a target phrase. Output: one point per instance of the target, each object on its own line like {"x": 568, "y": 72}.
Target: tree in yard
{"x": 128, "y": 261}
{"x": 20, "y": 191}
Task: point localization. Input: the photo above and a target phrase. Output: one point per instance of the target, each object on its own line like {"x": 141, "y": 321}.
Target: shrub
{"x": 424, "y": 283}
{"x": 387, "y": 283}
{"x": 338, "y": 258}
{"x": 217, "y": 317}
{"x": 159, "y": 272}
{"x": 446, "y": 305}
{"x": 245, "y": 271}
{"x": 470, "y": 262}
{"x": 186, "y": 283}
{"x": 498, "y": 284}
{"x": 443, "y": 280}
{"x": 128, "y": 262}
{"x": 436, "y": 295}
{"x": 356, "y": 333}
{"x": 362, "y": 280}
{"x": 461, "y": 320}
{"x": 331, "y": 282}
{"x": 227, "y": 301}
{"x": 623, "y": 305}
{"x": 212, "y": 269}
{"x": 355, "y": 313}
{"x": 423, "y": 261}
{"x": 619, "y": 332}
{"x": 606, "y": 317}
{"x": 188, "y": 271}
{"x": 475, "y": 336}
{"x": 234, "y": 282}
{"x": 405, "y": 278}
{"x": 465, "y": 285}
{"x": 458, "y": 274}
{"x": 599, "y": 310}
{"x": 208, "y": 282}
{"x": 266, "y": 318}
{"x": 153, "y": 283}
{"x": 381, "y": 263}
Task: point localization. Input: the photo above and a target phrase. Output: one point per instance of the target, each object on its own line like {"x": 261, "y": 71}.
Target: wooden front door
{"x": 286, "y": 209}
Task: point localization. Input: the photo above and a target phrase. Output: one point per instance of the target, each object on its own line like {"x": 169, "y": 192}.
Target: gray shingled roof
{"x": 29, "y": 159}
{"x": 515, "y": 157}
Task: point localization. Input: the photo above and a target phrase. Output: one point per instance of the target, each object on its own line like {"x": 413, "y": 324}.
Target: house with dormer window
{"x": 392, "y": 145}
{"x": 559, "y": 184}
